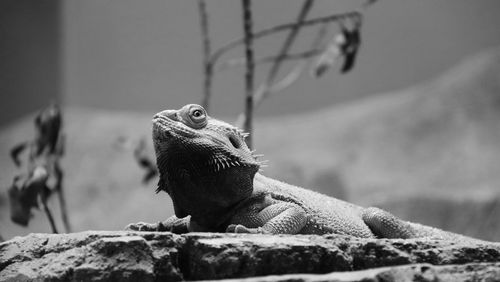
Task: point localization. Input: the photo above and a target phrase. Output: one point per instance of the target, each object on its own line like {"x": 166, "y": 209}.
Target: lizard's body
{"x": 212, "y": 178}
{"x": 323, "y": 214}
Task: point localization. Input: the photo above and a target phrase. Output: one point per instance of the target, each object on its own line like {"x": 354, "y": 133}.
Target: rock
{"x": 162, "y": 256}
{"x": 414, "y": 272}
{"x": 91, "y": 256}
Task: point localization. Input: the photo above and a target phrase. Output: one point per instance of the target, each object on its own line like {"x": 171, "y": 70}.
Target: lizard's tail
{"x": 385, "y": 225}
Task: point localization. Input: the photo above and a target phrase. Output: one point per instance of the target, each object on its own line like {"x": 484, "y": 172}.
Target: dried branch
{"x": 59, "y": 176}
{"x": 322, "y": 32}
{"x": 295, "y": 73}
{"x": 279, "y": 28}
{"x": 48, "y": 213}
{"x": 270, "y": 85}
{"x": 315, "y": 50}
{"x": 273, "y": 72}
{"x": 264, "y": 89}
{"x": 319, "y": 42}
{"x": 270, "y": 59}
{"x": 290, "y": 78}
{"x": 249, "y": 75}
{"x": 207, "y": 65}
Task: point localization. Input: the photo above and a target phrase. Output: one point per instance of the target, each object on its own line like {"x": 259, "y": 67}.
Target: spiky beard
{"x": 201, "y": 168}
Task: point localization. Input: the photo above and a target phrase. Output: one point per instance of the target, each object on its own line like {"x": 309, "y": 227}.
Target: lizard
{"x": 214, "y": 182}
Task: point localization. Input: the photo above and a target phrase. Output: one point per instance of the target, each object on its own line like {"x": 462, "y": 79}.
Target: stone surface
{"x": 155, "y": 256}
{"x": 414, "y": 272}
{"x": 91, "y": 256}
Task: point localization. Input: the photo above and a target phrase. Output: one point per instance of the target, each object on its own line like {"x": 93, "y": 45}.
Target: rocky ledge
{"x": 158, "y": 256}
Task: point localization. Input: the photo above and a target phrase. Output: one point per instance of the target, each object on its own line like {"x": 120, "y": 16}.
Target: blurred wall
{"x": 29, "y": 56}
{"x": 146, "y": 55}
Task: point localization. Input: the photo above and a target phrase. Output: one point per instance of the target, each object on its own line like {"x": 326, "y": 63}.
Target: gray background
{"x": 146, "y": 55}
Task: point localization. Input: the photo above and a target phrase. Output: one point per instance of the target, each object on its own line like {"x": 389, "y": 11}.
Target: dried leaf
{"x": 328, "y": 58}
{"x": 48, "y": 125}
{"x": 16, "y": 151}
{"x": 26, "y": 196}
{"x": 19, "y": 212}
{"x": 350, "y": 48}
{"x": 144, "y": 160}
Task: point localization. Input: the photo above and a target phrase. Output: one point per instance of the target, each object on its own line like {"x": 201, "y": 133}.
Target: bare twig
{"x": 290, "y": 78}
{"x": 295, "y": 73}
{"x": 318, "y": 41}
{"x": 59, "y": 176}
{"x": 315, "y": 50}
{"x": 306, "y": 7}
{"x": 270, "y": 59}
{"x": 49, "y": 216}
{"x": 279, "y": 86}
{"x": 279, "y": 28}
{"x": 264, "y": 90}
{"x": 249, "y": 75}
{"x": 322, "y": 32}
{"x": 207, "y": 64}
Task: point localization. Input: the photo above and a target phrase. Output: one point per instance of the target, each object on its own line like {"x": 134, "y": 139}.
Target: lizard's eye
{"x": 197, "y": 116}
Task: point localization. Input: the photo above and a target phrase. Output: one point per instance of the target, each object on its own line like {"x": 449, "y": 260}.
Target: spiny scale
{"x": 223, "y": 163}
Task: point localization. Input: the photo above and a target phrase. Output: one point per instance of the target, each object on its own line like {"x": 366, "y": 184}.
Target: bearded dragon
{"x": 212, "y": 178}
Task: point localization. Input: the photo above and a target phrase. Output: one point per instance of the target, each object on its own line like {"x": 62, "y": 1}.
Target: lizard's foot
{"x": 142, "y": 226}
{"x": 238, "y": 228}
{"x": 172, "y": 224}
{"x": 385, "y": 225}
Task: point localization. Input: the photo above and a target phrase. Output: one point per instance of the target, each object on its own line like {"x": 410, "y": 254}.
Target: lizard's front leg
{"x": 271, "y": 217}
{"x": 172, "y": 224}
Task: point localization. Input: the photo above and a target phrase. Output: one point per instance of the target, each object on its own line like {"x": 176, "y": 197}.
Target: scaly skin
{"x": 211, "y": 176}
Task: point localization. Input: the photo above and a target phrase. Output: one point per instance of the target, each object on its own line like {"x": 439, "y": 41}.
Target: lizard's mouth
{"x": 166, "y": 124}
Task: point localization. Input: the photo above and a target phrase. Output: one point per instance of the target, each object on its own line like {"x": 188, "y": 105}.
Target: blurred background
{"x": 414, "y": 128}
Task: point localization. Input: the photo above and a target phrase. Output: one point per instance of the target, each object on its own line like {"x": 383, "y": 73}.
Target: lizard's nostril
{"x": 171, "y": 114}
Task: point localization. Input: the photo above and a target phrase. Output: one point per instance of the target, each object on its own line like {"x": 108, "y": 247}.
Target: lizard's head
{"x": 201, "y": 158}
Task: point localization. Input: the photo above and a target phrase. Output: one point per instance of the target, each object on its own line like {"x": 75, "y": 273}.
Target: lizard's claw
{"x": 142, "y": 226}
{"x": 238, "y": 228}
{"x": 172, "y": 224}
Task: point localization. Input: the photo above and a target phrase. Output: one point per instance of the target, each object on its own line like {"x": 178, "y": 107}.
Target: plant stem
{"x": 270, "y": 59}
{"x": 279, "y": 28}
{"x": 249, "y": 75}
{"x": 207, "y": 64}
{"x": 49, "y": 216}
{"x": 306, "y": 7}
{"x": 60, "y": 192}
